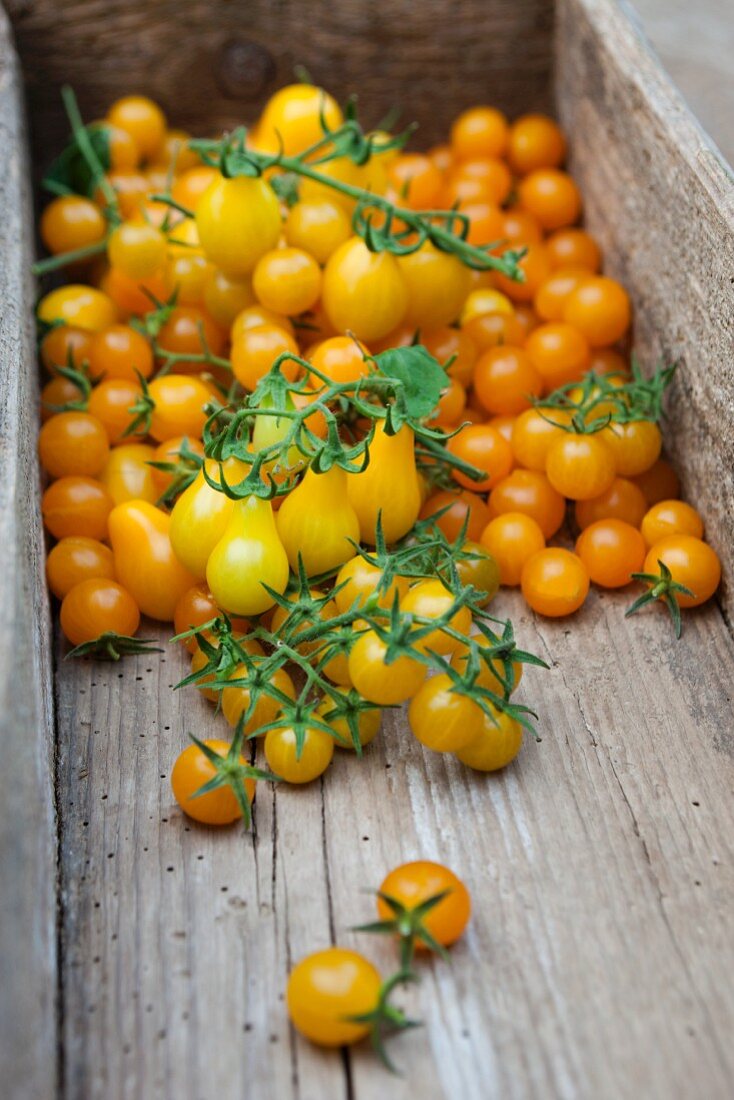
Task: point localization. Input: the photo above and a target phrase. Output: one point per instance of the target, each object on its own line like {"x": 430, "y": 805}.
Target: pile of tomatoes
{"x": 312, "y": 399}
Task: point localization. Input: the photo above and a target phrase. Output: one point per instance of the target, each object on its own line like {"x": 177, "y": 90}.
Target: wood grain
{"x": 27, "y": 824}
{"x": 601, "y": 867}
{"x": 212, "y": 63}
{"x": 661, "y": 200}
{"x": 598, "y": 959}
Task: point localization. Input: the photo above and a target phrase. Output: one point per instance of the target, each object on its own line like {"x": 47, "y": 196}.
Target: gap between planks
{"x": 600, "y": 866}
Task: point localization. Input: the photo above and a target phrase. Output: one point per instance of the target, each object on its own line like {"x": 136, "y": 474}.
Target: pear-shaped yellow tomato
{"x": 317, "y": 521}
{"x": 128, "y": 475}
{"x": 294, "y": 118}
{"x": 145, "y": 563}
{"x": 248, "y": 556}
{"x": 238, "y": 222}
{"x": 363, "y": 292}
{"x": 438, "y": 284}
{"x": 201, "y": 514}
{"x": 389, "y": 486}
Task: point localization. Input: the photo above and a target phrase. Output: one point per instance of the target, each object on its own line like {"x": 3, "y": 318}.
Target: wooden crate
{"x": 144, "y": 957}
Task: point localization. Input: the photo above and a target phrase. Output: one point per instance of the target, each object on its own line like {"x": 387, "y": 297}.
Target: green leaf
{"x": 71, "y": 173}
{"x": 422, "y": 376}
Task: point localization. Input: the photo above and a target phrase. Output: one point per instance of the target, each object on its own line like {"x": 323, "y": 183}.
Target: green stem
{"x": 53, "y": 263}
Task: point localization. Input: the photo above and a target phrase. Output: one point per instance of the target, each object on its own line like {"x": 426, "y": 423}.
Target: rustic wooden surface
{"x": 212, "y": 63}
{"x": 27, "y": 823}
{"x": 599, "y": 957}
{"x": 661, "y": 201}
{"x": 601, "y": 866}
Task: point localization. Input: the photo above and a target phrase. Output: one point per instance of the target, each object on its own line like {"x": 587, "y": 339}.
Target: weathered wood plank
{"x": 661, "y": 201}
{"x": 28, "y": 1049}
{"x": 601, "y": 866}
{"x": 212, "y": 64}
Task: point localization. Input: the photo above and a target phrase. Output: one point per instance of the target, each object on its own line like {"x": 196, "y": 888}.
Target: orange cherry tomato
{"x": 131, "y": 189}
{"x": 493, "y": 329}
{"x": 612, "y": 551}
{"x": 553, "y": 293}
{"x": 622, "y": 500}
{"x": 600, "y": 309}
{"x": 450, "y": 405}
{"x": 573, "y": 248}
{"x": 520, "y": 227}
{"x": 76, "y": 506}
{"x": 73, "y": 443}
{"x": 144, "y": 559}
{"x": 459, "y": 505}
{"x": 340, "y": 358}
{"x": 131, "y": 296}
{"x": 256, "y": 315}
{"x": 65, "y": 346}
{"x": 454, "y": 349}
{"x": 82, "y": 307}
{"x": 142, "y": 119}
{"x": 484, "y": 448}
{"x": 486, "y": 222}
{"x": 535, "y": 141}
{"x": 670, "y": 517}
{"x": 529, "y": 492}
{"x": 197, "y": 606}
{"x": 512, "y": 538}
{"x": 111, "y": 402}
{"x": 536, "y": 268}
{"x": 417, "y": 181}
{"x": 555, "y": 582}
{"x": 658, "y": 483}
{"x": 412, "y": 884}
{"x": 55, "y": 394}
{"x": 580, "y": 466}
{"x": 120, "y": 352}
{"x": 481, "y": 179}
{"x": 170, "y": 451}
{"x": 692, "y": 563}
{"x": 505, "y": 379}
{"x": 191, "y": 771}
{"x": 635, "y": 446}
{"x": 534, "y": 433}
{"x": 287, "y": 280}
{"x": 75, "y": 559}
{"x": 479, "y": 132}
{"x": 256, "y": 349}
{"x": 98, "y": 606}
{"x": 70, "y": 222}
{"x": 551, "y": 196}
{"x": 186, "y": 331}
{"x": 179, "y": 406}
{"x": 559, "y": 353}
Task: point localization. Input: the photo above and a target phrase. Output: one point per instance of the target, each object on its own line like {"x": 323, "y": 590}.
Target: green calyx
{"x": 601, "y": 399}
{"x": 408, "y": 924}
{"x": 661, "y": 587}
{"x": 231, "y": 772}
{"x": 111, "y": 647}
{"x": 386, "y": 1018}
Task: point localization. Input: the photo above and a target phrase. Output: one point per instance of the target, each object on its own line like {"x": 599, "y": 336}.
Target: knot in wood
{"x": 244, "y": 69}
